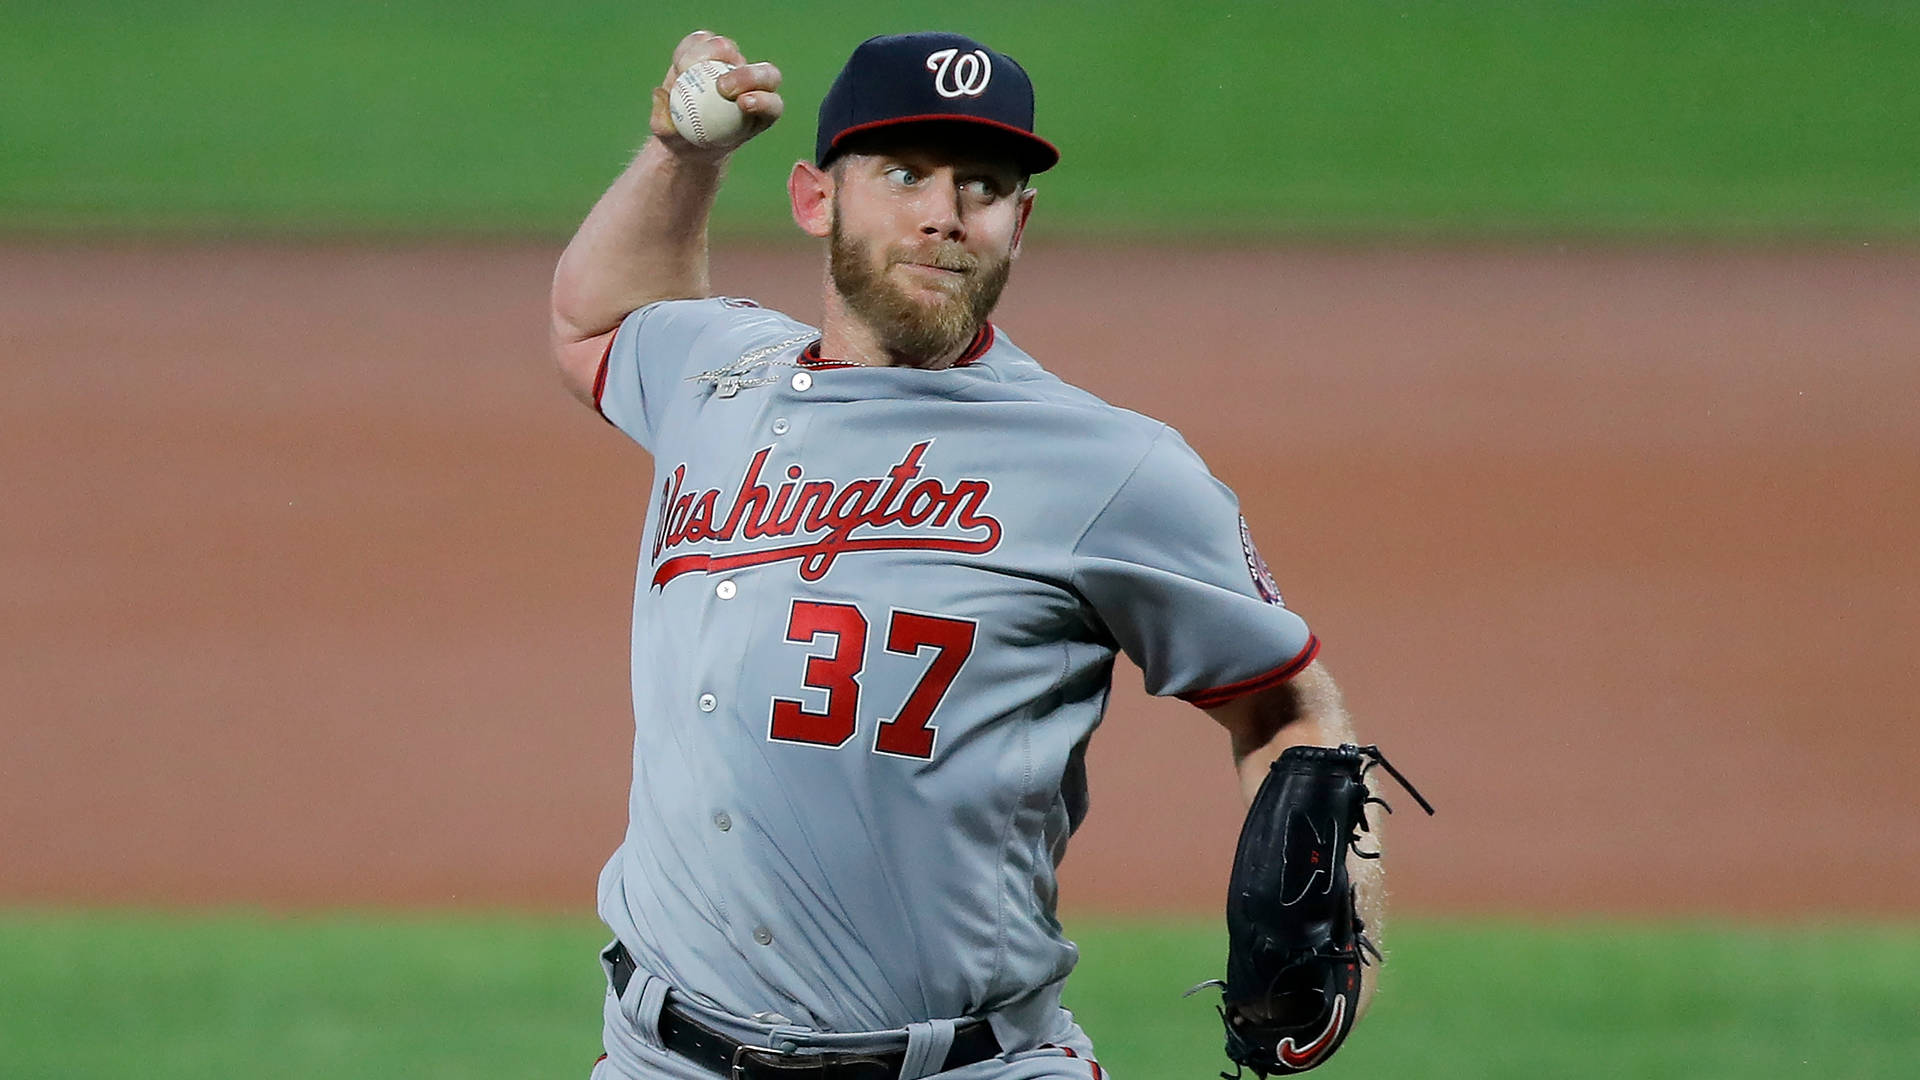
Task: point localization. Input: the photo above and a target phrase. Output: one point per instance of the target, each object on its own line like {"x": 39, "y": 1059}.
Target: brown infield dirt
{"x": 314, "y": 584}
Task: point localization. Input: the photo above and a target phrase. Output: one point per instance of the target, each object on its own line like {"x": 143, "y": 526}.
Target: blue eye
{"x": 903, "y": 175}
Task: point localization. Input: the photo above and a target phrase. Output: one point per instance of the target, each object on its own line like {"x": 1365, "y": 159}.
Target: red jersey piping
{"x": 1220, "y": 695}
{"x": 1068, "y": 1050}
{"x": 600, "y": 377}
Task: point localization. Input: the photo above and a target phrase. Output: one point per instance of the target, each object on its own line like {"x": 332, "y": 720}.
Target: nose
{"x": 940, "y": 208}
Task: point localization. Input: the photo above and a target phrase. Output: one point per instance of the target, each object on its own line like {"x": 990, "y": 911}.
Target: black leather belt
{"x": 683, "y": 1035}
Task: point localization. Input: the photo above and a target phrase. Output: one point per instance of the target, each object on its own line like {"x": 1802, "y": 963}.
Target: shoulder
{"x": 717, "y": 321}
{"x": 660, "y": 350}
{"x": 1168, "y": 463}
{"x": 1132, "y": 464}
{"x": 1021, "y": 377}
{"x": 1166, "y": 491}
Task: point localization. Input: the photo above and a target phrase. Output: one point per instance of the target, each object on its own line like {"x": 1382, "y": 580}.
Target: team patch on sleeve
{"x": 1257, "y": 566}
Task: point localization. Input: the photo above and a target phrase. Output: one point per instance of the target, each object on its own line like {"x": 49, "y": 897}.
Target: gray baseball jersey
{"x": 874, "y": 627}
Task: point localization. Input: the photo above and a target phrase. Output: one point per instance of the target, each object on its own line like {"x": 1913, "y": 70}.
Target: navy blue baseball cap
{"x": 931, "y": 78}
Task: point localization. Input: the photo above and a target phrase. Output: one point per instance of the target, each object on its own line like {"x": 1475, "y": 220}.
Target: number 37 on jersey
{"x": 838, "y": 635}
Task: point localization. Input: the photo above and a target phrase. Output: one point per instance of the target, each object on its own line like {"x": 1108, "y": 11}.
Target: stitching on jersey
{"x": 1000, "y": 950}
{"x": 1108, "y": 504}
{"x": 1021, "y": 806}
{"x": 730, "y": 379}
{"x": 1073, "y": 567}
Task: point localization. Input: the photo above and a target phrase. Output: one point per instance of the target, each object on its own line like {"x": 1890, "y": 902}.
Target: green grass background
{"x": 1208, "y": 122}
{"x": 245, "y": 995}
{"x": 1741, "y": 118}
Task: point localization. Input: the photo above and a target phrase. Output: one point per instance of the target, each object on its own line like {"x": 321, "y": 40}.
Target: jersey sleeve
{"x": 1170, "y": 569}
{"x": 653, "y": 353}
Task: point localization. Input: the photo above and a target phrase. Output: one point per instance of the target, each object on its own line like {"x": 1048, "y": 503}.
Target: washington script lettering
{"x": 825, "y": 513}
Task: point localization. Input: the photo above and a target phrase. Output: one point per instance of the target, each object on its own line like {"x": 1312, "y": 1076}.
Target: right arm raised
{"x": 646, "y": 238}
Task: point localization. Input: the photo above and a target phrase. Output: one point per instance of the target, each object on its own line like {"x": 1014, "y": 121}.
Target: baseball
{"x": 700, "y": 114}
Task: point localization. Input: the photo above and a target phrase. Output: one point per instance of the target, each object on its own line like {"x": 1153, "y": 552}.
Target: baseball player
{"x": 888, "y": 563}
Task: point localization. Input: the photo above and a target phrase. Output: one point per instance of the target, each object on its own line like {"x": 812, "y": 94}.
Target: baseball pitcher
{"x": 888, "y": 563}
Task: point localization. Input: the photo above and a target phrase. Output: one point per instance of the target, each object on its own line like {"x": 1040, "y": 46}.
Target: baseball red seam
{"x": 1220, "y": 695}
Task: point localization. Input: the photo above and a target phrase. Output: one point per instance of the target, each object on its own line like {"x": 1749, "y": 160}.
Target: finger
{"x": 683, "y": 55}
{"x": 701, "y": 45}
{"x": 763, "y": 104}
{"x": 660, "y": 118}
{"x": 723, "y": 48}
{"x": 748, "y": 78}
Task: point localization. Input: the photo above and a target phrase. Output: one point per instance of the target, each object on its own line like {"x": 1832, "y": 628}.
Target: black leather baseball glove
{"x": 1295, "y": 940}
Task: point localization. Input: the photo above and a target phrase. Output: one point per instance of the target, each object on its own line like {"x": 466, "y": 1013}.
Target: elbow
{"x": 581, "y": 361}
{"x": 564, "y": 324}
{"x": 574, "y": 312}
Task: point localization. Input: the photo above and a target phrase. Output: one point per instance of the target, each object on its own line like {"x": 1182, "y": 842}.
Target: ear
{"x": 810, "y": 192}
{"x": 1020, "y": 227}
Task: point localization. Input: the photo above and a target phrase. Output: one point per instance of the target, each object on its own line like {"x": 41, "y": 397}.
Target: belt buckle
{"x": 796, "y": 1066}
{"x": 736, "y": 1068}
{"x": 784, "y": 1063}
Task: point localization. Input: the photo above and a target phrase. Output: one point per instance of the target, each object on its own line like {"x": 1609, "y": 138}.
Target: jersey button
{"x": 722, "y": 822}
{"x": 802, "y": 381}
{"x": 763, "y": 935}
{"x": 780, "y": 426}
{"x": 725, "y": 590}
{"x": 707, "y": 702}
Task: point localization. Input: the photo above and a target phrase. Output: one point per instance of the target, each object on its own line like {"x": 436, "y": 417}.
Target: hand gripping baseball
{"x": 753, "y": 87}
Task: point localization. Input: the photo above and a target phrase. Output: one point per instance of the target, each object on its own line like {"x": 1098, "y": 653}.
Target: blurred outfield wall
{"x": 1202, "y": 121}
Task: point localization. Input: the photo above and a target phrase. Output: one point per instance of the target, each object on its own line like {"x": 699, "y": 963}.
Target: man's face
{"x": 922, "y": 242}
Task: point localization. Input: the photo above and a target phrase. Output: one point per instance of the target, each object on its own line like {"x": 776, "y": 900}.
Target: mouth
{"x": 930, "y": 280}
{"x": 934, "y": 268}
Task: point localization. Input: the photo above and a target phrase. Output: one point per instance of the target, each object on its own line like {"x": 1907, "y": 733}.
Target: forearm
{"x": 645, "y": 240}
{"x": 1309, "y": 711}
{"x": 1305, "y": 712}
